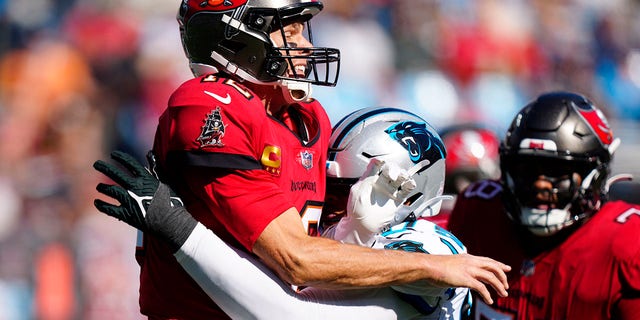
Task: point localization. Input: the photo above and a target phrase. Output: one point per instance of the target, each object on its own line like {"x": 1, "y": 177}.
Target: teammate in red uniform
{"x": 244, "y": 145}
{"x": 472, "y": 155}
{"x": 574, "y": 254}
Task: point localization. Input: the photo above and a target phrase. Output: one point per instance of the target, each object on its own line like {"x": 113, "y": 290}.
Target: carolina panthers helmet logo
{"x": 419, "y": 141}
{"x": 406, "y": 245}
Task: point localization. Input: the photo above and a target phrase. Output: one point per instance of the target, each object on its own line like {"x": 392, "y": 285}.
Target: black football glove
{"x": 145, "y": 203}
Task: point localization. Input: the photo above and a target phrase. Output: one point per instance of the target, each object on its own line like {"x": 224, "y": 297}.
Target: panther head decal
{"x": 420, "y": 142}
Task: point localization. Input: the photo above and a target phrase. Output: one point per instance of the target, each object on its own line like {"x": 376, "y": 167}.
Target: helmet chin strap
{"x": 295, "y": 91}
{"x": 562, "y": 219}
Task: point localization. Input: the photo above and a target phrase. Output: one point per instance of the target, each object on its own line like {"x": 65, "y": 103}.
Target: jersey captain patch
{"x": 271, "y": 159}
{"x": 212, "y": 130}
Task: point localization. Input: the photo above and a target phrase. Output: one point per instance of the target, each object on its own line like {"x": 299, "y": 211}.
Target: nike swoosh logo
{"x": 369, "y": 156}
{"x": 225, "y": 100}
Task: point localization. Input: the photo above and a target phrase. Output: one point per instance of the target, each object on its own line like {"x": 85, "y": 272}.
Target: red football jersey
{"x": 236, "y": 168}
{"x": 583, "y": 278}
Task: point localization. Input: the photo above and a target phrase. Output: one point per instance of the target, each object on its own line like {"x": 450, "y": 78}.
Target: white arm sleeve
{"x": 246, "y": 289}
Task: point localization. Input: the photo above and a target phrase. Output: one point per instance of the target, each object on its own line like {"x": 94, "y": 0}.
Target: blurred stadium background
{"x": 80, "y": 78}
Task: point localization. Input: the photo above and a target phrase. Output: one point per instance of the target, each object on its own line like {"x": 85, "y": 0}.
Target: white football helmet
{"x": 395, "y": 136}
{"x": 424, "y": 236}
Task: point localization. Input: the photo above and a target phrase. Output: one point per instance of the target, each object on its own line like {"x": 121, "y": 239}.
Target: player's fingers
{"x": 406, "y": 188}
{"x": 373, "y": 168}
{"x": 394, "y": 173}
{"x": 129, "y": 162}
{"x": 115, "y": 192}
{"x": 108, "y": 209}
{"x": 492, "y": 279}
{"x": 499, "y": 269}
{"x": 114, "y": 173}
{"x": 481, "y": 290}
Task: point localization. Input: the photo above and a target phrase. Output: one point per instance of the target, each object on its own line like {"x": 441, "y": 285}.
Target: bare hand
{"x": 473, "y": 272}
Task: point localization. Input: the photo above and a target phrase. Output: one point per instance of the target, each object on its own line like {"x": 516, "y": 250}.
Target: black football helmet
{"x": 565, "y": 139}
{"x": 232, "y": 36}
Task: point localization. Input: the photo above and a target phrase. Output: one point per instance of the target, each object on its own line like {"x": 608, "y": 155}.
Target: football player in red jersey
{"x": 575, "y": 254}
{"x": 472, "y": 155}
{"x": 244, "y": 146}
{"x": 377, "y": 150}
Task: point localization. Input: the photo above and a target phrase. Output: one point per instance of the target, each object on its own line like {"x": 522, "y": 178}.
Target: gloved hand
{"x": 374, "y": 201}
{"x": 145, "y": 203}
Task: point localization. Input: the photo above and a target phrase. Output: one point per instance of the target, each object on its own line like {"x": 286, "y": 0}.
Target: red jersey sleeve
{"x": 211, "y": 122}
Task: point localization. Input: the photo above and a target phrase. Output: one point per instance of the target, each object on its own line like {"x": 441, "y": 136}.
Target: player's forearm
{"x": 304, "y": 260}
{"x": 326, "y": 263}
{"x": 235, "y": 280}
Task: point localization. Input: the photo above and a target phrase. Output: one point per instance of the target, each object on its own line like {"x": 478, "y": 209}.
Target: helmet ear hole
{"x": 275, "y": 66}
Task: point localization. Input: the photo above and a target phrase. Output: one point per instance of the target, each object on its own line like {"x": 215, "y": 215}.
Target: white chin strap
{"x": 295, "y": 91}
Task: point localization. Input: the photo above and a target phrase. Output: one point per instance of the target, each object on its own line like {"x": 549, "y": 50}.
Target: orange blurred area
{"x": 54, "y": 291}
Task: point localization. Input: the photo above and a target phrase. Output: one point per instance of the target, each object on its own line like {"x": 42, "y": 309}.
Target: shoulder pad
{"x": 213, "y": 90}
{"x": 627, "y": 191}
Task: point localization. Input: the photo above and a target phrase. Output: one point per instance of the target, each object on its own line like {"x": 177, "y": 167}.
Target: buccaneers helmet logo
{"x": 597, "y": 121}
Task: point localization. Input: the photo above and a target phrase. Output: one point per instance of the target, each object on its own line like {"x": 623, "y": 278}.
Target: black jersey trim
{"x": 185, "y": 158}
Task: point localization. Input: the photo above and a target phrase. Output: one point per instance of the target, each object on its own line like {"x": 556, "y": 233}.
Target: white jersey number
{"x": 486, "y": 189}
{"x": 310, "y": 215}
{"x": 627, "y": 215}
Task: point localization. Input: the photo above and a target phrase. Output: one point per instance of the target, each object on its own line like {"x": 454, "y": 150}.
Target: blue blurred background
{"x": 80, "y": 78}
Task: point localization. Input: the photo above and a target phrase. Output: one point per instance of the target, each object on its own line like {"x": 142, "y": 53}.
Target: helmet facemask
{"x": 549, "y": 194}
